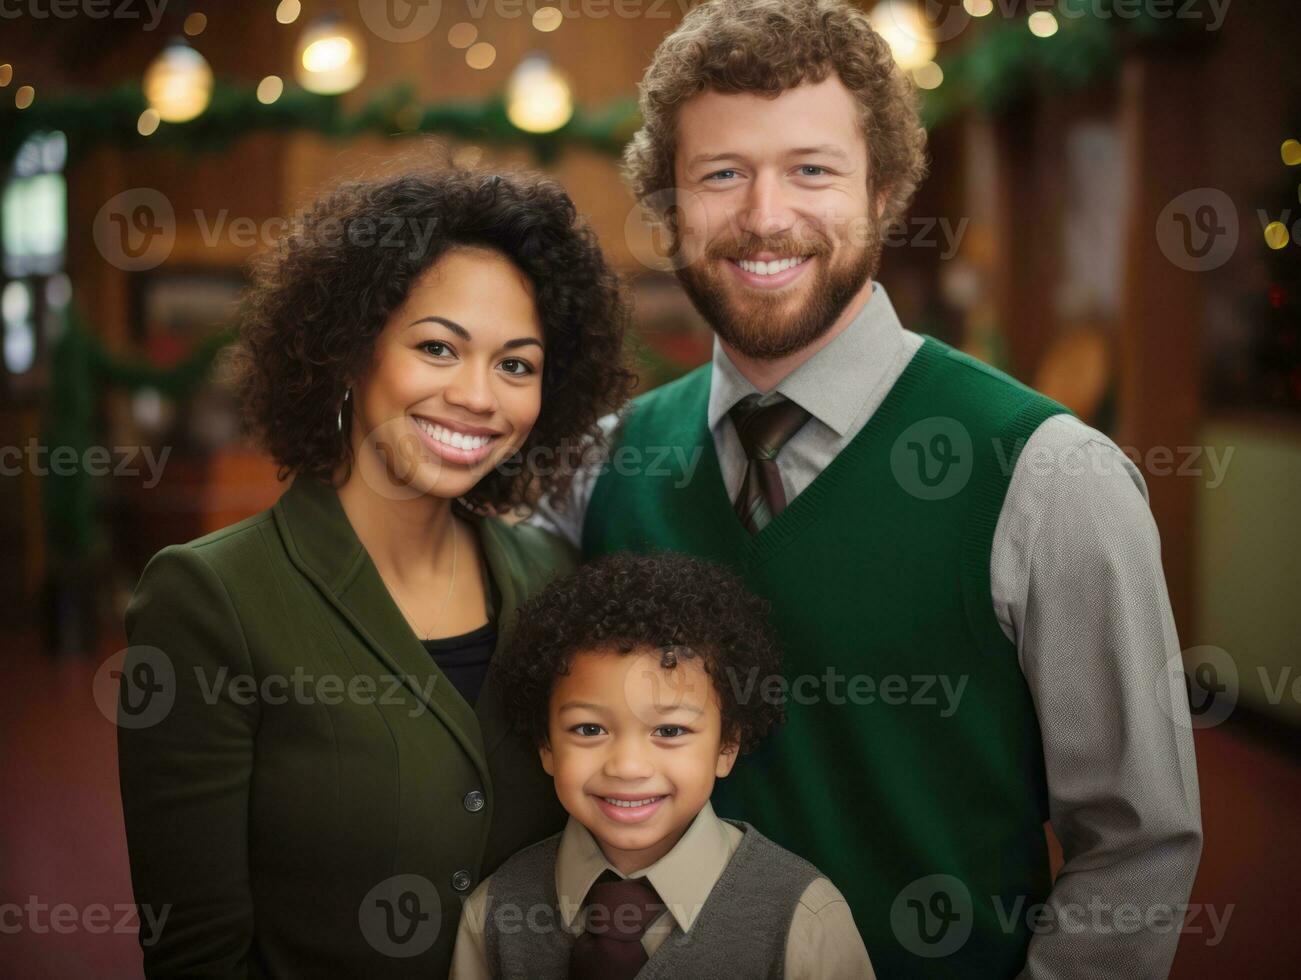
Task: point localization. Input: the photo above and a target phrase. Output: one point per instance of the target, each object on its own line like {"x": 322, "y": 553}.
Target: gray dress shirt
{"x": 1077, "y": 585}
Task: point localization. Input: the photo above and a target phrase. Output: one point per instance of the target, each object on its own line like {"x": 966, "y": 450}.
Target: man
{"x": 965, "y": 578}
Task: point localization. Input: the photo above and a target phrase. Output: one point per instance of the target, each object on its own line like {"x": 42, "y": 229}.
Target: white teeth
{"x": 769, "y": 268}
{"x": 631, "y": 803}
{"x": 457, "y": 440}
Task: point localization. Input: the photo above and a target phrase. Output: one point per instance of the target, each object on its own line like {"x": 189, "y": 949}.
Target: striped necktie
{"x": 764, "y": 424}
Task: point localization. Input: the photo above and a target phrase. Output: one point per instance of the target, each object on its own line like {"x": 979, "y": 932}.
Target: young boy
{"x": 632, "y": 677}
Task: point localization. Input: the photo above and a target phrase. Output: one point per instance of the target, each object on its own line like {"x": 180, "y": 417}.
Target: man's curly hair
{"x": 767, "y": 47}
{"x": 624, "y": 602}
{"x": 319, "y": 300}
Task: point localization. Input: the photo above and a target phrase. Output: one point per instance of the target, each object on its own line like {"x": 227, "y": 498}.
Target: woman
{"x": 325, "y": 772}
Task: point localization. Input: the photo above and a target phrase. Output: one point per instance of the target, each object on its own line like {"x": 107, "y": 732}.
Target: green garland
{"x": 1003, "y": 60}
{"x": 999, "y": 61}
{"x": 80, "y": 365}
{"x": 90, "y": 120}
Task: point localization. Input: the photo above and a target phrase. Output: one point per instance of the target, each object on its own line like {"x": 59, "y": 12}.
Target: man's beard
{"x": 756, "y": 326}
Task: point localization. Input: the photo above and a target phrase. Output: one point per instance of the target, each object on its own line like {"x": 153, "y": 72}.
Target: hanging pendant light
{"x": 331, "y": 56}
{"x": 905, "y": 29}
{"x": 178, "y": 83}
{"x": 538, "y": 99}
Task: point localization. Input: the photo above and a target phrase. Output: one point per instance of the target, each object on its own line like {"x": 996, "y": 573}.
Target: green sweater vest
{"x": 909, "y": 769}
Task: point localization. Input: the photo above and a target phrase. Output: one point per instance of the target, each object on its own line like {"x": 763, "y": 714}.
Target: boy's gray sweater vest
{"x": 740, "y": 932}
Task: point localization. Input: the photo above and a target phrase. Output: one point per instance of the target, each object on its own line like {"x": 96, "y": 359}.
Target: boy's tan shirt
{"x": 823, "y": 942}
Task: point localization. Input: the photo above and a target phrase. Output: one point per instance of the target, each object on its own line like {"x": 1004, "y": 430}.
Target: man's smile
{"x": 769, "y": 272}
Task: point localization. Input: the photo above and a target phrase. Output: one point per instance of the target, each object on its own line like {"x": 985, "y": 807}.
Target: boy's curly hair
{"x": 320, "y": 299}
{"x": 767, "y": 47}
{"x": 626, "y": 602}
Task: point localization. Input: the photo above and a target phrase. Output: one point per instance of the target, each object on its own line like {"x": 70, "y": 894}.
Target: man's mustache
{"x": 743, "y": 249}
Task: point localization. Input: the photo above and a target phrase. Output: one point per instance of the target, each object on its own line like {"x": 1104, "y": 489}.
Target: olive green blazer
{"x": 305, "y": 793}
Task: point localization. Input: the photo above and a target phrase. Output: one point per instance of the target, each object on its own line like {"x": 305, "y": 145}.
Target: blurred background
{"x": 1113, "y": 216}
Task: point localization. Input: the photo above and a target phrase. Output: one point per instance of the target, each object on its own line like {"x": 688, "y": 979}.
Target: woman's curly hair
{"x": 767, "y": 47}
{"x": 624, "y": 602}
{"x": 319, "y": 300}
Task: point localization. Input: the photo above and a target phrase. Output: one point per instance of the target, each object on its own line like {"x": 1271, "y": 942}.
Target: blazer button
{"x": 461, "y": 881}
{"x": 473, "y": 801}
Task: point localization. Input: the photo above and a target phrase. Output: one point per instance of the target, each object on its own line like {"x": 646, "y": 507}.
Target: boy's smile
{"x": 634, "y": 748}
{"x": 630, "y": 810}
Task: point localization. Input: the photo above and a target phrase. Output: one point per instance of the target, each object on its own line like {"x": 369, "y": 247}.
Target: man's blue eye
{"x": 810, "y": 166}
{"x": 719, "y": 173}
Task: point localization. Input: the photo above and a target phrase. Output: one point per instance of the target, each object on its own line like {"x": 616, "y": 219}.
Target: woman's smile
{"x": 462, "y": 445}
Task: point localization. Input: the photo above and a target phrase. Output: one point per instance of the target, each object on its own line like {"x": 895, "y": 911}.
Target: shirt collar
{"x": 834, "y": 383}
{"x": 683, "y": 877}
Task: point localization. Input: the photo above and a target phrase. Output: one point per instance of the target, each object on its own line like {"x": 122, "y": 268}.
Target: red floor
{"x": 63, "y": 852}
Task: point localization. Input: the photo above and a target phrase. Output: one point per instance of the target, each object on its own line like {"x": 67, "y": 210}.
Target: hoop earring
{"x": 346, "y": 395}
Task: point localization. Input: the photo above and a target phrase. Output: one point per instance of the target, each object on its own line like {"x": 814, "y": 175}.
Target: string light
{"x": 178, "y": 83}
{"x": 270, "y": 89}
{"x": 462, "y": 35}
{"x": 195, "y": 24}
{"x": 1276, "y": 235}
{"x": 148, "y": 122}
{"x": 288, "y": 10}
{"x": 331, "y": 56}
{"x": 6, "y": 74}
{"x": 538, "y": 99}
{"x": 928, "y": 76}
{"x": 978, "y": 8}
{"x": 1292, "y": 153}
{"x": 481, "y": 55}
{"x": 24, "y": 96}
{"x": 1042, "y": 23}
{"x": 906, "y": 31}
{"x": 547, "y": 19}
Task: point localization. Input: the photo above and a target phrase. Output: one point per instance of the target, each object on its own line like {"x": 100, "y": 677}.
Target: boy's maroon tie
{"x": 618, "y": 913}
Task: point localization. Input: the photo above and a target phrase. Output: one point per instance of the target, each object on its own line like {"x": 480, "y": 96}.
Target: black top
{"x": 464, "y": 659}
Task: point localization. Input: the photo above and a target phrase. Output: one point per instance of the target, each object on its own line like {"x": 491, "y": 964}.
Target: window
{"x": 33, "y": 234}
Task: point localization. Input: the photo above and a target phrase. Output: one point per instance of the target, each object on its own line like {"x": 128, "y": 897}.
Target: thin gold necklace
{"x": 422, "y": 634}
